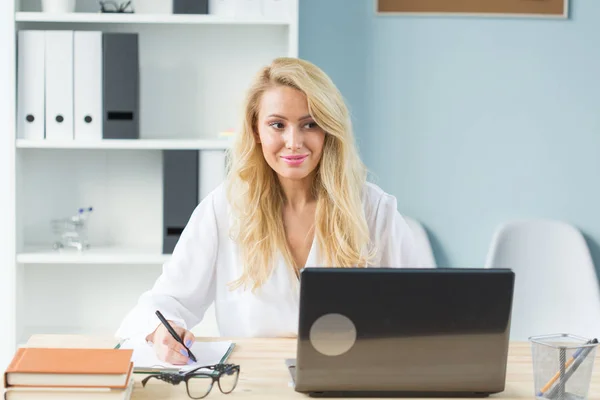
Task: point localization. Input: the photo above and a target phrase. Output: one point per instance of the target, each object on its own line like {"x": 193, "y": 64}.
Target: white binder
{"x": 87, "y": 89}
{"x": 30, "y": 85}
{"x": 59, "y": 85}
{"x": 212, "y": 171}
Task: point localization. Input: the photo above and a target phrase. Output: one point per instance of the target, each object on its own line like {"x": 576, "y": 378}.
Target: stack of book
{"x": 69, "y": 373}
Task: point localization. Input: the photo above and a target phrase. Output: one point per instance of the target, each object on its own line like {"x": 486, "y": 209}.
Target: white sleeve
{"x": 186, "y": 287}
{"x": 396, "y": 241}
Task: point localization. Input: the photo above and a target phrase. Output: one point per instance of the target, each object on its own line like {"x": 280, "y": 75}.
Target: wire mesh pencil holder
{"x": 72, "y": 231}
{"x": 562, "y": 366}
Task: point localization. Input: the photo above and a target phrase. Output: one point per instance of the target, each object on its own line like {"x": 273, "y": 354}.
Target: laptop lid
{"x": 413, "y": 331}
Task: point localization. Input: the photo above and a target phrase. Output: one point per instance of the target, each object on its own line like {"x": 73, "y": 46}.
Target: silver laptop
{"x": 403, "y": 332}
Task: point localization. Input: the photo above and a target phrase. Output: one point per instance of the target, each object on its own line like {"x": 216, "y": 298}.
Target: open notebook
{"x": 207, "y": 353}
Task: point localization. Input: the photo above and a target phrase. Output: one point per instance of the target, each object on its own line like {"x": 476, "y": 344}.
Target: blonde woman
{"x": 296, "y": 196}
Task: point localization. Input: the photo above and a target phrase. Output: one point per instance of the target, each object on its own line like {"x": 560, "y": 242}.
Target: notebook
{"x": 59, "y": 367}
{"x": 145, "y": 360}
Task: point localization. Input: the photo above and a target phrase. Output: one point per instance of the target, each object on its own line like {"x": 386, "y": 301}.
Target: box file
{"x": 59, "y": 85}
{"x": 120, "y": 91}
{"x": 180, "y": 193}
{"x": 87, "y": 75}
{"x": 30, "y": 85}
{"x": 212, "y": 170}
{"x": 190, "y": 6}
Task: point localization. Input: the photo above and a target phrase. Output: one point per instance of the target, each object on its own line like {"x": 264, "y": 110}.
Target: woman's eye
{"x": 311, "y": 125}
{"x": 276, "y": 125}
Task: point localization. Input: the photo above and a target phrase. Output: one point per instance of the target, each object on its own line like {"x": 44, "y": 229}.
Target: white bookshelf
{"x": 8, "y": 269}
{"x": 105, "y": 255}
{"x": 128, "y": 144}
{"x": 194, "y": 70}
{"x": 99, "y": 18}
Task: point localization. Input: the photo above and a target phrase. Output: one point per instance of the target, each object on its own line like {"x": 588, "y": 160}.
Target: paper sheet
{"x": 207, "y": 353}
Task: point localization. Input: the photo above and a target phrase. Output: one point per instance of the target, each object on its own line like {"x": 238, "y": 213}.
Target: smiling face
{"x": 291, "y": 141}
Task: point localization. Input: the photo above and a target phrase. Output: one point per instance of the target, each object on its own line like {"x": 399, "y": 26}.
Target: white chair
{"x": 556, "y": 288}
{"x": 422, "y": 242}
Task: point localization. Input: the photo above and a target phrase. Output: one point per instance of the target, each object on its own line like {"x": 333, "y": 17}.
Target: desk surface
{"x": 265, "y": 376}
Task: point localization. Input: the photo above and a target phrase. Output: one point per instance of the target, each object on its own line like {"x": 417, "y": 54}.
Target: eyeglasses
{"x": 109, "y": 6}
{"x": 199, "y": 381}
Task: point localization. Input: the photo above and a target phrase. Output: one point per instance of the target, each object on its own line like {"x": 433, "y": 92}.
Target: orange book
{"x": 68, "y": 393}
{"x": 61, "y": 367}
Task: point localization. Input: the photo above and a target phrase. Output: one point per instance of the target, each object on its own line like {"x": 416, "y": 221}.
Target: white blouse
{"x": 204, "y": 262}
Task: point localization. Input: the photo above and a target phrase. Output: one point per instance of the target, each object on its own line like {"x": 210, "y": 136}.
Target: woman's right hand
{"x": 167, "y": 348}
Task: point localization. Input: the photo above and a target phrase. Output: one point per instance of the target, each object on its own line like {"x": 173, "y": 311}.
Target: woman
{"x": 296, "y": 196}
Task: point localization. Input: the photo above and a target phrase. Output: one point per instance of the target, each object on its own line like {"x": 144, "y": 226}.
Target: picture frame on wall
{"x": 488, "y": 8}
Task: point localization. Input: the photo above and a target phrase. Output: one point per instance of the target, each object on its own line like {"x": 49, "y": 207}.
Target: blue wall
{"x": 472, "y": 121}
{"x": 333, "y": 35}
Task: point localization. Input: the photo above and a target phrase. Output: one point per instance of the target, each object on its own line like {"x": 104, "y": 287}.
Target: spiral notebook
{"x": 145, "y": 360}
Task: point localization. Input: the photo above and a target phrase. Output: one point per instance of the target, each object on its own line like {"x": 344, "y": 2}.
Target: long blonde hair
{"x": 255, "y": 194}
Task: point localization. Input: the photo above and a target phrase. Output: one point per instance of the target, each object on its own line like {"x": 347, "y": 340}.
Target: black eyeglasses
{"x": 109, "y": 6}
{"x": 199, "y": 381}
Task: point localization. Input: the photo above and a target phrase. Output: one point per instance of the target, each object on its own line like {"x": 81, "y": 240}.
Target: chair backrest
{"x": 422, "y": 242}
{"x": 556, "y": 288}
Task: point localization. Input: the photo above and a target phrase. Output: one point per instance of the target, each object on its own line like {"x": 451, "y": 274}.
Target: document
{"x": 207, "y": 353}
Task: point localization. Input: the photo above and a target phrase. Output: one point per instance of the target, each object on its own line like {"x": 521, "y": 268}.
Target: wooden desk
{"x": 265, "y": 376}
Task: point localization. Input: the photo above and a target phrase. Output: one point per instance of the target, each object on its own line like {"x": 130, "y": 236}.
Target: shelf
{"x": 123, "y": 18}
{"x": 127, "y": 144}
{"x": 99, "y": 255}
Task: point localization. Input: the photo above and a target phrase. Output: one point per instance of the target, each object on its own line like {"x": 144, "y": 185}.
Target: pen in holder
{"x": 562, "y": 366}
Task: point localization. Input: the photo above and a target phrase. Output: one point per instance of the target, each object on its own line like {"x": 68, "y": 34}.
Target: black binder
{"x": 180, "y": 193}
{"x": 120, "y": 86}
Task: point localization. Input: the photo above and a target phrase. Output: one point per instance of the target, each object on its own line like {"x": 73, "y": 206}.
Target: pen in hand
{"x": 174, "y": 334}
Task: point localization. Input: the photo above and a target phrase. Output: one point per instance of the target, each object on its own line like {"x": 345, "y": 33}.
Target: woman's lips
{"x": 295, "y": 159}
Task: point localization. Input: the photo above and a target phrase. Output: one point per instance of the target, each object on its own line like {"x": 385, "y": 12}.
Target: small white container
{"x": 58, "y": 6}
{"x": 222, "y": 8}
{"x": 276, "y": 9}
{"x": 248, "y": 9}
{"x": 153, "y": 6}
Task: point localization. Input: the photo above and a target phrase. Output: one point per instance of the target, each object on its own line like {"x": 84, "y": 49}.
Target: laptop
{"x": 379, "y": 332}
